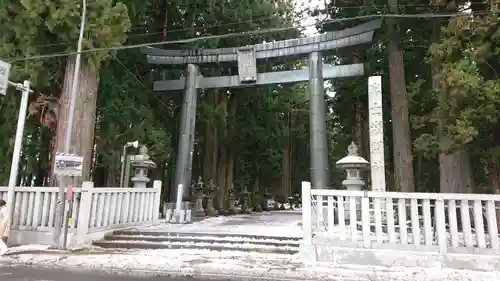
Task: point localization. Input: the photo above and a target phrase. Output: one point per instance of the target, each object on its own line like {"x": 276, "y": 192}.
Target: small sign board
{"x": 247, "y": 64}
{"x": 4, "y": 76}
{"x": 67, "y": 164}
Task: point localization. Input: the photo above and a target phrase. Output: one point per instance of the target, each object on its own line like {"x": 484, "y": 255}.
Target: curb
{"x": 72, "y": 252}
{"x": 298, "y": 271}
{"x": 196, "y": 273}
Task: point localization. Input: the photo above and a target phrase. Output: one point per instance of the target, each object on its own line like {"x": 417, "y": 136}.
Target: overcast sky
{"x": 311, "y": 4}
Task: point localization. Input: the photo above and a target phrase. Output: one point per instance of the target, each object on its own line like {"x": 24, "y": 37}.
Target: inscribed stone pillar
{"x": 377, "y": 161}
{"x": 317, "y": 123}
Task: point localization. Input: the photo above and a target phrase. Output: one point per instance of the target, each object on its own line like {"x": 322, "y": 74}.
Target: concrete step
{"x": 190, "y": 245}
{"x": 200, "y": 234}
{"x": 208, "y": 241}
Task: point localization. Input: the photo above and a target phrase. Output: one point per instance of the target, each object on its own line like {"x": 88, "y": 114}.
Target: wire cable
{"x": 247, "y": 33}
{"x": 138, "y": 80}
{"x": 253, "y": 20}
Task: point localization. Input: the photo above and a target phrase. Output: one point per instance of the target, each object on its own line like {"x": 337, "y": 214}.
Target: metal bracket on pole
{"x": 20, "y": 87}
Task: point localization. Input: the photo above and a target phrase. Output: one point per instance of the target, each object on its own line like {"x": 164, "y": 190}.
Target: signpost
{"x": 16, "y": 155}
{"x": 67, "y": 165}
{"x": 4, "y": 77}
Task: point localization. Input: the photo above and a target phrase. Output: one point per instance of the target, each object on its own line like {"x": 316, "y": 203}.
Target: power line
{"x": 327, "y": 9}
{"x": 246, "y": 33}
{"x": 249, "y": 21}
{"x": 137, "y": 79}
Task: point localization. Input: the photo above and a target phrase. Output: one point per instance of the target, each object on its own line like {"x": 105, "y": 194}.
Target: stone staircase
{"x": 132, "y": 239}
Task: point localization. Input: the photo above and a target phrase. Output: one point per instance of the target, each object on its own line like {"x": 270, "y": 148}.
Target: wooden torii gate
{"x": 246, "y": 58}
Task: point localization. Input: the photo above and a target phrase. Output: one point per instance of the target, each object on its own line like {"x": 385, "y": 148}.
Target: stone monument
{"x": 377, "y": 158}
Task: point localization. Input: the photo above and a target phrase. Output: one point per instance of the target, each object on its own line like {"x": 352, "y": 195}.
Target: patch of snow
{"x": 246, "y": 246}
{"x": 279, "y": 223}
{"x": 216, "y": 238}
{"x": 31, "y": 247}
{"x": 225, "y": 263}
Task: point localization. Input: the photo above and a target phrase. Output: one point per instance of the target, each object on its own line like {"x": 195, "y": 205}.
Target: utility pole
{"x": 14, "y": 166}
{"x": 16, "y": 155}
{"x": 59, "y": 220}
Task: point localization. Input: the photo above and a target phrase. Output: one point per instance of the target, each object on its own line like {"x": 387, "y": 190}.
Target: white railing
{"x": 35, "y": 207}
{"x": 94, "y": 209}
{"x": 437, "y": 222}
{"x": 107, "y": 208}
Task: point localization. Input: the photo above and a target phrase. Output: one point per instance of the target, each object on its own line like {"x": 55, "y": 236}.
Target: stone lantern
{"x": 141, "y": 164}
{"x": 199, "y": 211}
{"x": 353, "y": 164}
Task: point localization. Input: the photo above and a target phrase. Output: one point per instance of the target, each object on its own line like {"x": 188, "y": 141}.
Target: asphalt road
{"x": 51, "y": 274}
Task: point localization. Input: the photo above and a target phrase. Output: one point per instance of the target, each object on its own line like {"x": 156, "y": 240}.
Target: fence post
{"x": 156, "y": 206}
{"x": 307, "y": 245}
{"x": 440, "y": 218}
{"x": 84, "y": 211}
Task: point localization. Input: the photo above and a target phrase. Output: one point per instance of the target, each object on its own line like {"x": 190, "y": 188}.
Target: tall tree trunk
{"x": 100, "y": 172}
{"x": 112, "y": 175}
{"x": 358, "y": 132}
{"x": 44, "y": 161}
{"x": 402, "y": 143}
{"x": 455, "y": 170}
{"x": 222, "y": 160}
{"x": 82, "y": 139}
{"x": 221, "y": 178}
{"x": 492, "y": 170}
{"x": 358, "y": 128}
{"x": 285, "y": 188}
{"x": 233, "y": 105}
{"x": 210, "y": 151}
{"x": 165, "y": 22}
{"x": 291, "y": 155}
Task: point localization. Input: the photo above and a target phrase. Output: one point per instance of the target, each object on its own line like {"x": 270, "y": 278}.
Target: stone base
{"x": 200, "y": 214}
{"x": 212, "y": 212}
{"x": 398, "y": 258}
{"x": 246, "y": 211}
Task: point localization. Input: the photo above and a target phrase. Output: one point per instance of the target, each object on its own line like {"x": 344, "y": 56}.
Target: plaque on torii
{"x": 247, "y": 65}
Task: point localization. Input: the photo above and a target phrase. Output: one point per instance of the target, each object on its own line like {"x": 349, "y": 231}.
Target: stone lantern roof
{"x": 352, "y": 159}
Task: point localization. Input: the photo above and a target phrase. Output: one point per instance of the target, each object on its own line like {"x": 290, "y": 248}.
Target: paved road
{"x": 42, "y": 274}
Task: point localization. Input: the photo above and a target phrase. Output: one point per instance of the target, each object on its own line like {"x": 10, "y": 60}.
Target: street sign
{"x": 4, "y": 76}
{"x": 67, "y": 164}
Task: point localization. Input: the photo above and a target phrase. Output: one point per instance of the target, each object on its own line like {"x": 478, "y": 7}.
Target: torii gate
{"x": 246, "y": 58}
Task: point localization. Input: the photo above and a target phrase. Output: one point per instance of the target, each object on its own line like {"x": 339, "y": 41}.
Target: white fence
{"x": 434, "y": 223}
{"x": 95, "y": 211}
